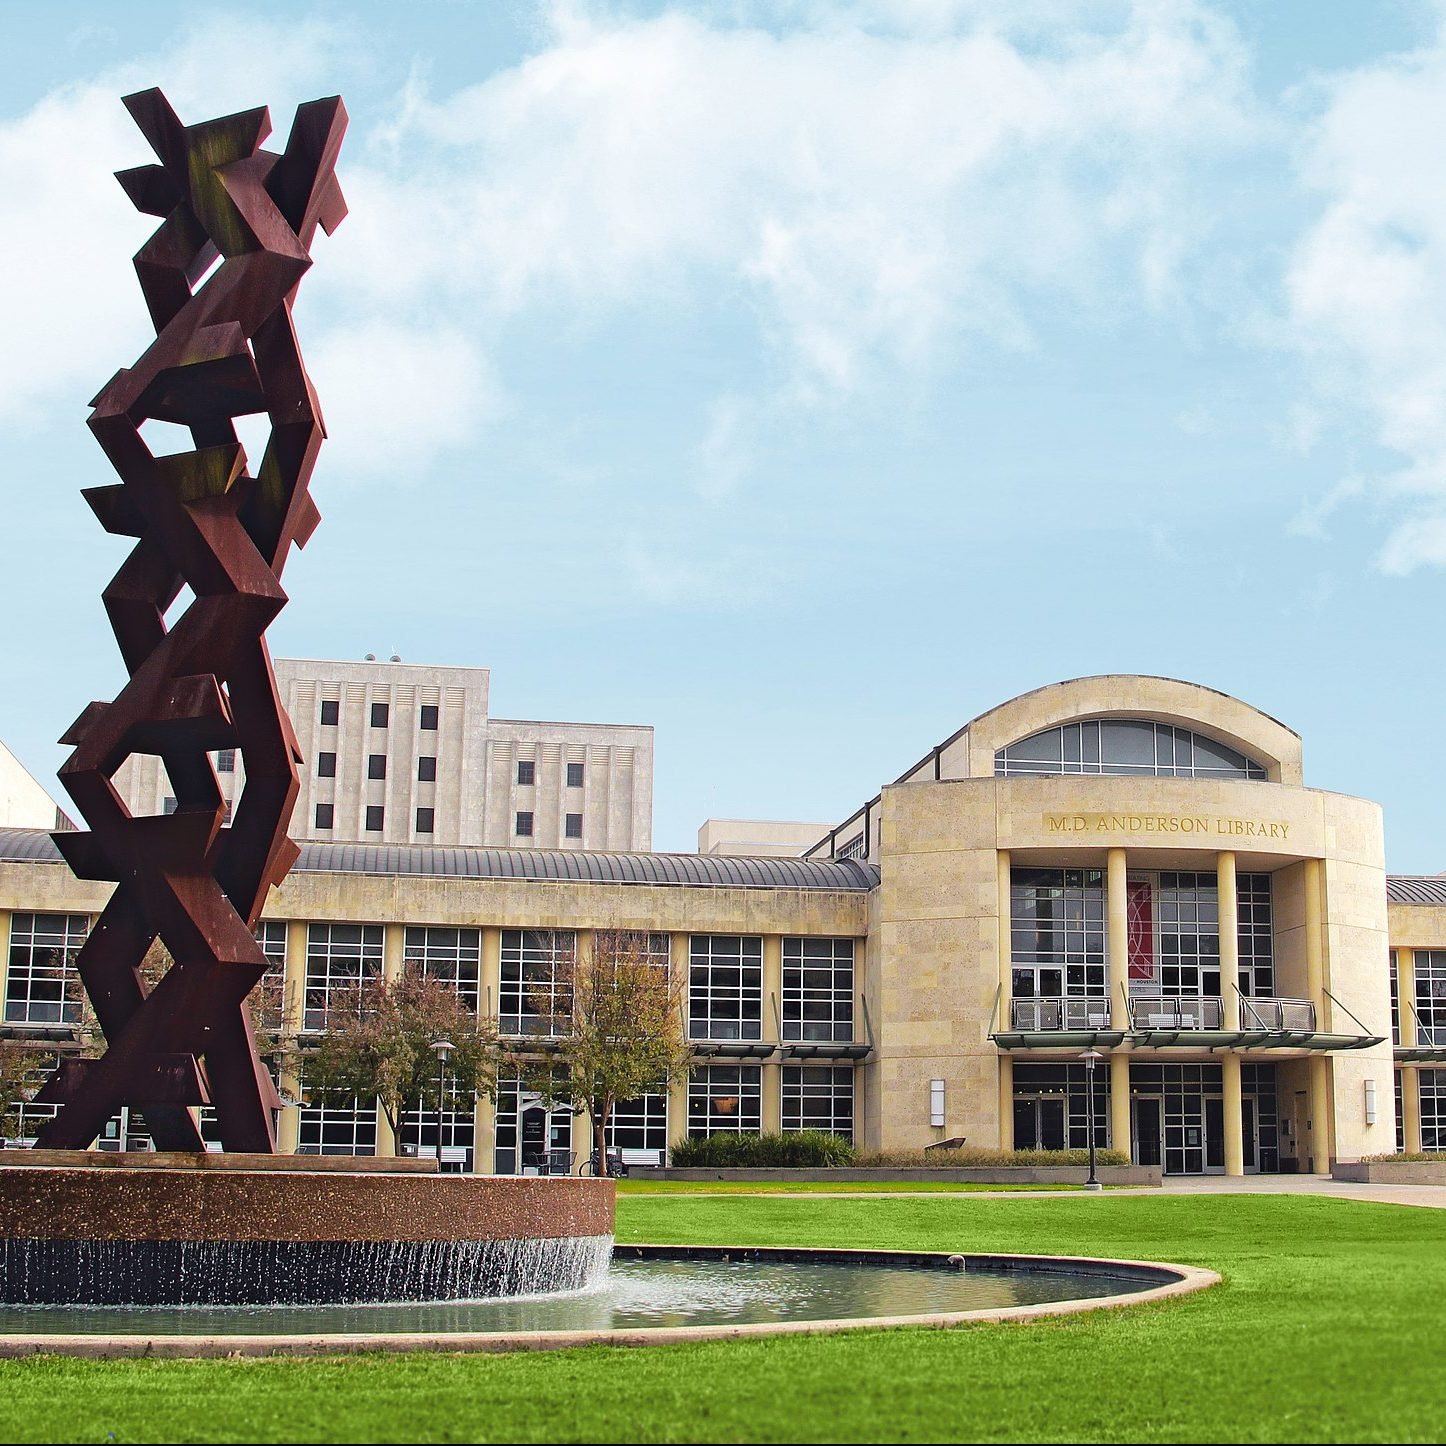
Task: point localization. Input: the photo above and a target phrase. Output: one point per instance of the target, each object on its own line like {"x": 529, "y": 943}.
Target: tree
{"x": 623, "y": 1034}
{"x": 378, "y": 1043}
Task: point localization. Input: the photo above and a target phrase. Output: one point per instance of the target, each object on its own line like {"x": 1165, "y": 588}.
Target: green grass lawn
{"x": 1327, "y": 1329}
{"x": 820, "y": 1187}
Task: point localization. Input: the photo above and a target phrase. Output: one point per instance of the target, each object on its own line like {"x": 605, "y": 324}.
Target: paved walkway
{"x": 1430, "y": 1196}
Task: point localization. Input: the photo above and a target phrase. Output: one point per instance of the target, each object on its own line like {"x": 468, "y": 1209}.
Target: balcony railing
{"x": 1062, "y": 1014}
{"x": 1286, "y": 1016}
{"x": 1154, "y": 1012}
{"x": 1201, "y": 1011}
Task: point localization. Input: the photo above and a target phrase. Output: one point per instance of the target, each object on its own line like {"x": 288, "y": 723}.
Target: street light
{"x": 1091, "y": 1058}
{"x": 441, "y": 1048}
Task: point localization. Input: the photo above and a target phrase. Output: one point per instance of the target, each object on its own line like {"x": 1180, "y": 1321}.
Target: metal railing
{"x": 1062, "y": 1014}
{"x": 1191, "y": 1012}
{"x": 1147, "y": 1012}
{"x": 1287, "y": 1016}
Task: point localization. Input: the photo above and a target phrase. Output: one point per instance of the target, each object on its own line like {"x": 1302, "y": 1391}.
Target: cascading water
{"x": 272, "y": 1272}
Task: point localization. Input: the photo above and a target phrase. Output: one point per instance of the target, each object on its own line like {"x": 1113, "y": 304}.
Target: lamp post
{"x": 441, "y": 1048}
{"x": 1091, "y": 1058}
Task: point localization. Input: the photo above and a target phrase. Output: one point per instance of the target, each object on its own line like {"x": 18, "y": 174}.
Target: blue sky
{"x": 799, "y": 378}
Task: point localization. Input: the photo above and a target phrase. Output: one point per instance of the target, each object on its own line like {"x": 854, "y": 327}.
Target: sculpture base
{"x": 241, "y": 1236}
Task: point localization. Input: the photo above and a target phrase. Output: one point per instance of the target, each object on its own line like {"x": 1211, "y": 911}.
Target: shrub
{"x": 980, "y": 1157}
{"x": 805, "y": 1150}
{"x": 1400, "y": 1157}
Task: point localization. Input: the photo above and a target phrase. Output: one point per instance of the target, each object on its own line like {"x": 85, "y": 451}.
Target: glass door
{"x": 1147, "y": 1118}
{"x": 1214, "y": 1135}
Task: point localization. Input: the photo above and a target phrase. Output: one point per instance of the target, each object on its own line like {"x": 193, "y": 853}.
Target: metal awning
{"x": 1188, "y": 1039}
{"x": 1060, "y": 1039}
{"x": 799, "y": 1050}
{"x": 733, "y": 1049}
{"x": 1420, "y": 1054}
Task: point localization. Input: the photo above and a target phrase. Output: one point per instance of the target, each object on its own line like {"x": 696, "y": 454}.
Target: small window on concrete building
{"x": 425, "y": 817}
{"x": 380, "y": 713}
{"x": 526, "y": 772}
{"x": 574, "y": 825}
{"x": 324, "y": 814}
{"x": 574, "y": 775}
{"x": 426, "y": 770}
{"x": 429, "y": 717}
{"x": 376, "y": 815}
{"x": 330, "y": 713}
{"x": 226, "y": 761}
{"x": 376, "y": 765}
{"x": 326, "y": 765}
{"x": 168, "y": 804}
{"x": 524, "y": 825}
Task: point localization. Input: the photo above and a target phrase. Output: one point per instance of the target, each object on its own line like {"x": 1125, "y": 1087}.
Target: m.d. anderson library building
{"x": 1132, "y": 865}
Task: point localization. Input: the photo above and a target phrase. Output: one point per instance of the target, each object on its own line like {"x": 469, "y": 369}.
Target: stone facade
{"x": 1222, "y": 939}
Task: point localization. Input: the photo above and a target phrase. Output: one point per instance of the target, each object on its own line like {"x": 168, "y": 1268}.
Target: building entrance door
{"x": 1147, "y": 1122}
{"x": 1214, "y": 1135}
{"x": 1251, "y": 1148}
{"x": 1039, "y": 1123}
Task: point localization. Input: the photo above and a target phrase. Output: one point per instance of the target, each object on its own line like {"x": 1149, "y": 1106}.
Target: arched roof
{"x": 718, "y": 871}
{"x": 970, "y": 751}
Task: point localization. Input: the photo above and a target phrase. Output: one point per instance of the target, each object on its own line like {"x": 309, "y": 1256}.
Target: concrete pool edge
{"x": 1174, "y": 1280}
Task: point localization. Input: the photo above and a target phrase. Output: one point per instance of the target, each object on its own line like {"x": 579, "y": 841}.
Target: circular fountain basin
{"x": 651, "y": 1295}
{"x": 241, "y": 1233}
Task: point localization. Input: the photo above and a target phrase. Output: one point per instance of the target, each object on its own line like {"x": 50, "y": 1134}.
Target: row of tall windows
{"x": 1177, "y": 1113}
{"x": 1124, "y": 746}
{"x": 728, "y": 1099}
{"x": 1428, "y": 1002}
{"x": 725, "y": 995}
{"x": 1059, "y": 933}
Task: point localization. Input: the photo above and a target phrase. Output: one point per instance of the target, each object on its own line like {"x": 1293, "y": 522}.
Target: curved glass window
{"x": 1124, "y": 745}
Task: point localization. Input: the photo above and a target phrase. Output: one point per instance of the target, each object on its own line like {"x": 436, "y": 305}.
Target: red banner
{"x": 1140, "y": 912}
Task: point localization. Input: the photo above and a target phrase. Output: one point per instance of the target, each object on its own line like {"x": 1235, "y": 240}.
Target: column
{"x": 393, "y": 939}
{"x": 1234, "y": 1122}
{"x": 1410, "y": 1074}
{"x": 1319, "y": 1078}
{"x": 678, "y": 1087}
{"x": 1227, "y": 901}
{"x": 1320, "y": 1114}
{"x": 1314, "y": 942}
{"x": 490, "y": 978}
{"x": 771, "y": 1074}
{"x": 1118, "y": 918}
{"x": 1006, "y": 1101}
{"x": 1120, "y": 1102}
{"x": 1410, "y": 1109}
{"x": 1004, "y": 1017}
{"x": 484, "y": 1136}
{"x": 293, "y": 1000}
{"x": 1227, "y": 904}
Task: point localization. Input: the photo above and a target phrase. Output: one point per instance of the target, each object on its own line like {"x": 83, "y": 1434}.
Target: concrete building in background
{"x": 1112, "y": 898}
{"x": 23, "y": 802}
{"x": 408, "y": 754}
{"x": 759, "y": 838}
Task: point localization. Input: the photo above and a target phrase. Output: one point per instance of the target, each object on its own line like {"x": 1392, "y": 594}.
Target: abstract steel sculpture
{"x": 225, "y": 347}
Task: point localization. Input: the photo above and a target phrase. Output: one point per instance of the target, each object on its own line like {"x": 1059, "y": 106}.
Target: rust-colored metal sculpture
{"x": 225, "y": 347}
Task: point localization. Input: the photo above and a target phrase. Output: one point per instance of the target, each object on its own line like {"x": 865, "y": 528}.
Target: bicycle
{"x": 617, "y": 1167}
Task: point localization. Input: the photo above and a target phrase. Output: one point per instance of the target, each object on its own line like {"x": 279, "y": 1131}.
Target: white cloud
{"x": 395, "y": 397}
{"x": 873, "y": 197}
{"x": 1366, "y": 284}
{"x": 72, "y": 309}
